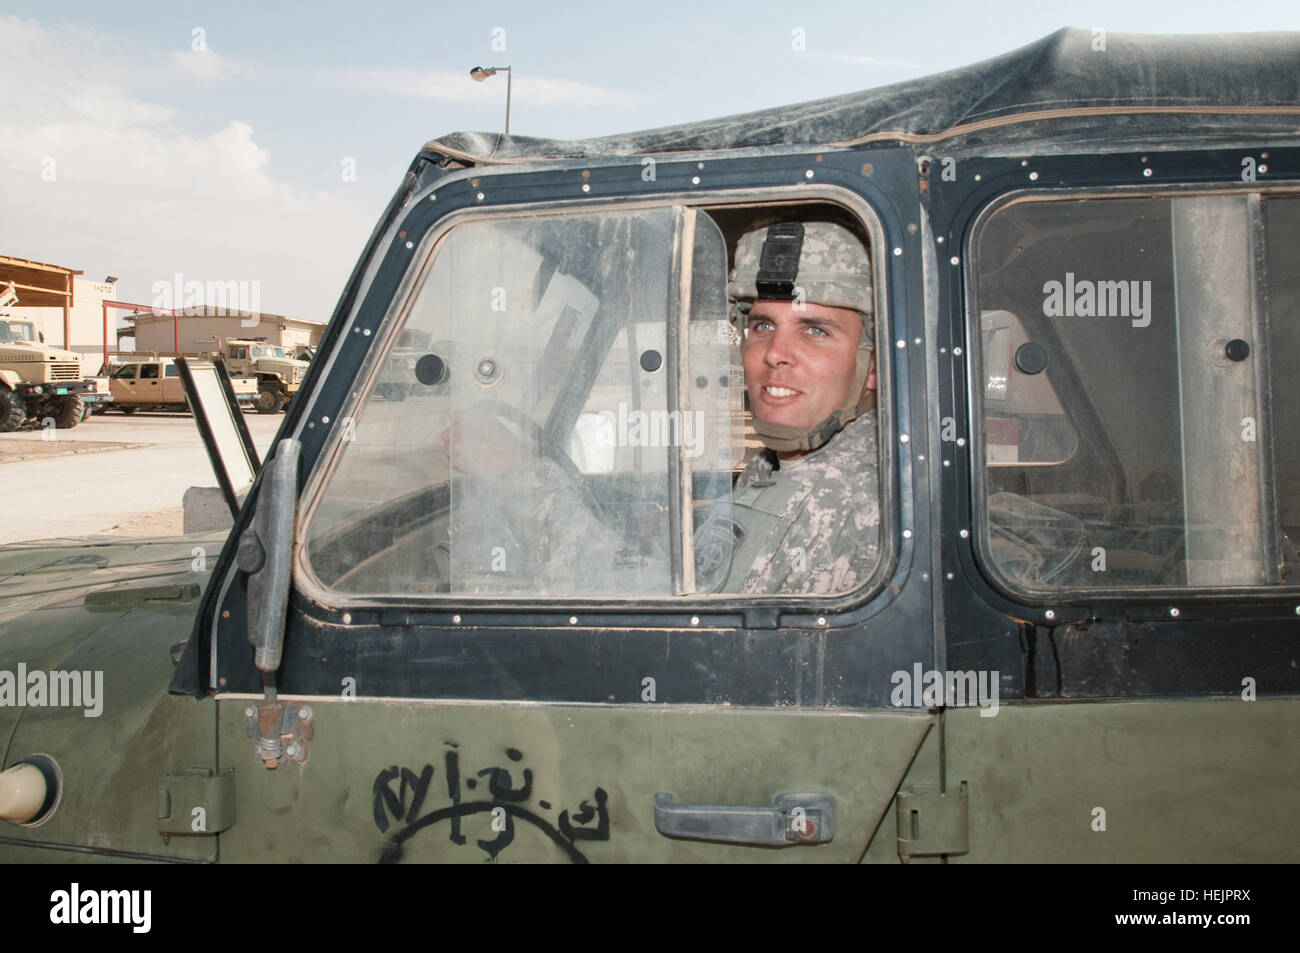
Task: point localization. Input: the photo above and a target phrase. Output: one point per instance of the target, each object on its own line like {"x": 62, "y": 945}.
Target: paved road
{"x": 82, "y": 494}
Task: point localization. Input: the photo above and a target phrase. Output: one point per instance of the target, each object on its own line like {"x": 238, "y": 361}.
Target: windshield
{"x": 268, "y": 351}
{"x": 16, "y": 331}
{"x": 558, "y": 434}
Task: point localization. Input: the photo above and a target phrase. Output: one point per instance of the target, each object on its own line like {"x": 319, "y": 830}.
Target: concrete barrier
{"x": 206, "y": 509}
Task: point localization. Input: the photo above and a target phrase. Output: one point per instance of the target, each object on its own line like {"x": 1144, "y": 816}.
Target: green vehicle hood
{"x": 112, "y": 610}
{"x": 105, "y": 603}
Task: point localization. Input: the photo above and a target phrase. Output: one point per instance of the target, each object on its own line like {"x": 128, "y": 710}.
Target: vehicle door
{"x": 502, "y": 639}
{"x": 1126, "y": 464}
{"x": 149, "y": 383}
{"x": 122, "y": 384}
{"x": 173, "y": 391}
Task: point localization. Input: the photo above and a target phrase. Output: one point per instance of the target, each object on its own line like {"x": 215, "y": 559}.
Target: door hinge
{"x": 196, "y": 801}
{"x": 280, "y": 731}
{"x": 931, "y": 822}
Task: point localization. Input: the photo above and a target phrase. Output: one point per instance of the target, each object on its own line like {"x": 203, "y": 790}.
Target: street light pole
{"x": 480, "y": 73}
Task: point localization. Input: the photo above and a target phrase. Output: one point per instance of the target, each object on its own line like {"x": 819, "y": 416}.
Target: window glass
{"x": 171, "y": 370}
{"x": 1282, "y": 251}
{"x": 148, "y": 371}
{"x": 1124, "y": 443}
{"x": 554, "y": 410}
{"x": 125, "y": 371}
{"x": 17, "y": 331}
{"x": 1024, "y": 422}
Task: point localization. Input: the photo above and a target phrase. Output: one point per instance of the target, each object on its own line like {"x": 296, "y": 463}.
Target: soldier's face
{"x": 799, "y": 364}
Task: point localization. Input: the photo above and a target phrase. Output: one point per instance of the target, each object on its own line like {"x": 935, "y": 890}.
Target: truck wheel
{"x": 12, "y": 411}
{"x": 269, "y": 400}
{"x": 71, "y": 409}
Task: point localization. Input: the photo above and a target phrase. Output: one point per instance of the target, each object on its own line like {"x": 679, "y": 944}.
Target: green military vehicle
{"x": 278, "y": 375}
{"x": 39, "y": 382}
{"x": 1078, "y": 640}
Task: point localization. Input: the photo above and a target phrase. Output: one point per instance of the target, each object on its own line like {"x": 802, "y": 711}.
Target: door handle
{"x": 790, "y": 819}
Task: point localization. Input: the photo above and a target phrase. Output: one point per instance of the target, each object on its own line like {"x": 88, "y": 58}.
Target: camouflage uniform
{"x": 808, "y": 527}
{"x": 813, "y": 526}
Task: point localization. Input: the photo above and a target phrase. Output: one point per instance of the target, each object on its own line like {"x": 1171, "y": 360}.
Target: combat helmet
{"x": 819, "y": 263}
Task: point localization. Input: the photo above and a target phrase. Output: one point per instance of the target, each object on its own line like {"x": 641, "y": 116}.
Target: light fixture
{"x": 480, "y": 73}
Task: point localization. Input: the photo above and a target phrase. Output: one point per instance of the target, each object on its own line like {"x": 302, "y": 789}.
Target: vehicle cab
{"x": 481, "y": 618}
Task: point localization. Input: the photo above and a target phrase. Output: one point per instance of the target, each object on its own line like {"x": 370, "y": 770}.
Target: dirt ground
{"x": 110, "y": 475}
{"x": 34, "y": 450}
{"x": 161, "y": 523}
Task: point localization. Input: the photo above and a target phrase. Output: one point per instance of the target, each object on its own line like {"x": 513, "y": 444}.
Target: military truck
{"x": 1078, "y": 641}
{"x": 155, "y": 383}
{"x": 278, "y": 375}
{"x": 39, "y": 382}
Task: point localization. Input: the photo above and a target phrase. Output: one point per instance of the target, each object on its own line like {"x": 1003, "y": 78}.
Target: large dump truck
{"x": 39, "y": 382}
{"x": 278, "y": 375}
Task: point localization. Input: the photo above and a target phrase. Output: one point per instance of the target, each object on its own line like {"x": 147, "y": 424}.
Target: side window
{"x": 554, "y": 409}
{"x": 171, "y": 370}
{"x": 1024, "y": 421}
{"x": 238, "y": 353}
{"x": 148, "y": 372}
{"x": 125, "y": 372}
{"x": 1126, "y": 412}
{"x": 1282, "y": 251}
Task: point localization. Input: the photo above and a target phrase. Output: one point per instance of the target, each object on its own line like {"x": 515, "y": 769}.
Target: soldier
{"x": 805, "y": 513}
{"x": 806, "y": 510}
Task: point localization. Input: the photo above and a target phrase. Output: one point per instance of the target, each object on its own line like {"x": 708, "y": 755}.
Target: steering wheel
{"x": 512, "y": 414}
{"x": 433, "y": 514}
{"x": 1035, "y": 544}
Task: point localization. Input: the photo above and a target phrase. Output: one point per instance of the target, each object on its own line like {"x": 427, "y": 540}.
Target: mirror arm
{"x": 265, "y": 552}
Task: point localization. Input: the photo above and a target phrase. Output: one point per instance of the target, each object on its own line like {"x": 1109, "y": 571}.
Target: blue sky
{"x": 225, "y": 163}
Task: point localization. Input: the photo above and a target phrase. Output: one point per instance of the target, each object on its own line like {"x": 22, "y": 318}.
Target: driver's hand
{"x": 478, "y": 443}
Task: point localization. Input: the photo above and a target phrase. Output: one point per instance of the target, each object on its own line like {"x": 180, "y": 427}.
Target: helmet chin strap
{"x": 784, "y": 438}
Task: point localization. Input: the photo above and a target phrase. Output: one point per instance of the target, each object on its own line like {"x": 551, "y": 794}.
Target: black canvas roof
{"x": 1058, "y": 93}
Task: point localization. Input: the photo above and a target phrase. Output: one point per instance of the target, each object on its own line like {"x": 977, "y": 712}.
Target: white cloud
{"x": 205, "y": 66}
{"x": 853, "y": 59}
{"x": 95, "y": 176}
{"x": 446, "y": 87}
{"x": 107, "y": 105}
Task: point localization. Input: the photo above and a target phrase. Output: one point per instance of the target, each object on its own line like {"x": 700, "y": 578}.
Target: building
{"x": 200, "y": 329}
{"x": 66, "y": 308}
